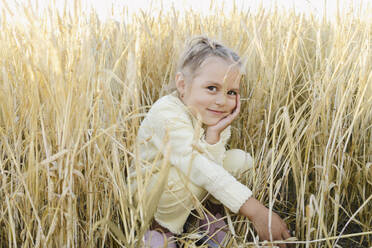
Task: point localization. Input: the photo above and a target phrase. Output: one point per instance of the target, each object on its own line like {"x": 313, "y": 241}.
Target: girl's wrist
{"x": 252, "y": 208}
{"x": 212, "y": 137}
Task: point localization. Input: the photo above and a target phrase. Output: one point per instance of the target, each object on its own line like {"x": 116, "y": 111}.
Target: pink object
{"x": 215, "y": 227}
{"x": 155, "y": 239}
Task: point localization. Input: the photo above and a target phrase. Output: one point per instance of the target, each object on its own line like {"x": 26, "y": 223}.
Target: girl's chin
{"x": 210, "y": 122}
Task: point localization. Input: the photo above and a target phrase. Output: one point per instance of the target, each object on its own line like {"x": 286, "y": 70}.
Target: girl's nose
{"x": 221, "y": 99}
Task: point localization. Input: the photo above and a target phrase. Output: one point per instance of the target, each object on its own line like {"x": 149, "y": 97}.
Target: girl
{"x": 194, "y": 123}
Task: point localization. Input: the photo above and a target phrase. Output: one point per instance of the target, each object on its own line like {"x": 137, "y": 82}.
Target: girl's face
{"x": 212, "y": 93}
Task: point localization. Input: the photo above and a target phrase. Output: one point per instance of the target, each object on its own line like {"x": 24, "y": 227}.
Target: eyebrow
{"x": 213, "y": 82}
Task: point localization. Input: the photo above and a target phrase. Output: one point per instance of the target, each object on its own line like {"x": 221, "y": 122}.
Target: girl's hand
{"x": 259, "y": 215}
{"x": 212, "y": 134}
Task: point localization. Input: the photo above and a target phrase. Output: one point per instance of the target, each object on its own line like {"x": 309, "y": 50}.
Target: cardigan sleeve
{"x": 216, "y": 152}
{"x": 167, "y": 123}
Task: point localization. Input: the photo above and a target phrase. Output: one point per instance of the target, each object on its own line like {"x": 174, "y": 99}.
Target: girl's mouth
{"x": 216, "y": 112}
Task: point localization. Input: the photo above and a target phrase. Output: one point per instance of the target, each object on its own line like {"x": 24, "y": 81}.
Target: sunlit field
{"x": 74, "y": 89}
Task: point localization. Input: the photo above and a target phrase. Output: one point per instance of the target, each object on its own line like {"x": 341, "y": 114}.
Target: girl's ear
{"x": 180, "y": 83}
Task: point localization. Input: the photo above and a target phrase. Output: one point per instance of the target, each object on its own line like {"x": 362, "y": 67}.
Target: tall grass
{"x": 73, "y": 91}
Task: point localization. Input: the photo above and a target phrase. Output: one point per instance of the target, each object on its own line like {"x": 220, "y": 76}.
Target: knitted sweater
{"x": 169, "y": 123}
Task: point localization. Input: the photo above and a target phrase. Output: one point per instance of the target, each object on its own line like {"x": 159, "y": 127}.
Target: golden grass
{"x": 73, "y": 91}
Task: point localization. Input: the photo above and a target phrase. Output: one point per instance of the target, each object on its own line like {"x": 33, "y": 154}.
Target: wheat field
{"x": 74, "y": 89}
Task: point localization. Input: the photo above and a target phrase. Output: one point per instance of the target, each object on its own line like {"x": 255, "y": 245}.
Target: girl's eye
{"x": 212, "y": 88}
{"x": 232, "y": 93}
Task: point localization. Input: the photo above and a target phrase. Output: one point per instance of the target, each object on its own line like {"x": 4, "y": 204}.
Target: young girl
{"x": 194, "y": 122}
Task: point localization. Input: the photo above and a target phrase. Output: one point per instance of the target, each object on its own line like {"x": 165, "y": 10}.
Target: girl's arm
{"x": 259, "y": 215}
{"x": 252, "y": 208}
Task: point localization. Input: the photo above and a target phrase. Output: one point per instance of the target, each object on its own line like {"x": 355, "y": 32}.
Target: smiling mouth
{"x": 216, "y": 112}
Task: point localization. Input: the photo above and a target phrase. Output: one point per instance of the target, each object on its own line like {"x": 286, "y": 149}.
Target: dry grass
{"x": 73, "y": 91}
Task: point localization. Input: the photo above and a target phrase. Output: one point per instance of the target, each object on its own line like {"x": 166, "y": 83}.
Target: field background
{"x": 73, "y": 90}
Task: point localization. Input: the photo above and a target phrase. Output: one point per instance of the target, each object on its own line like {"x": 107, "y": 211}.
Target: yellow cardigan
{"x": 169, "y": 122}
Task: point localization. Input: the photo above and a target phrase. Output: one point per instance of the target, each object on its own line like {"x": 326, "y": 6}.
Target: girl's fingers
{"x": 286, "y": 234}
{"x": 236, "y": 111}
{"x": 225, "y": 122}
{"x": 237, "y": 104}
{"x": 229, "y": 119}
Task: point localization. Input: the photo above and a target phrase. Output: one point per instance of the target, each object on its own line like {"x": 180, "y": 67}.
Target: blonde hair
{"x": 199, "y": 49}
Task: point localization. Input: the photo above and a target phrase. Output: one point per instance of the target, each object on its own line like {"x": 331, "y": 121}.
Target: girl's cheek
{"x": 232, "y": 104}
